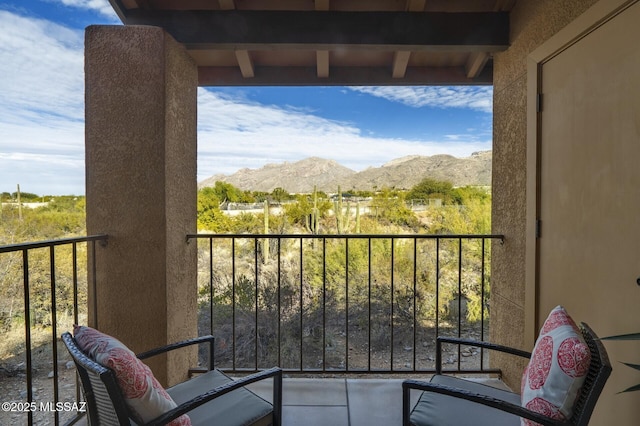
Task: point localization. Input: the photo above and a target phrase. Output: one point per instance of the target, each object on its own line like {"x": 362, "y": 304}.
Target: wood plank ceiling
{"x": 332, "y": 42}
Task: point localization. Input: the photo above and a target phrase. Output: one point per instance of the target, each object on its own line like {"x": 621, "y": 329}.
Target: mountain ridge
{"x": 326, "y": 174}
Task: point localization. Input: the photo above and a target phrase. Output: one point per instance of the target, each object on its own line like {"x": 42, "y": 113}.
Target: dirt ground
{"x": 13, "y": 388}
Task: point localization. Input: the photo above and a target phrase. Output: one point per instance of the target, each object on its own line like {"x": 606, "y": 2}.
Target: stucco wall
{"x": 141, "y": 188}
{"x": 532, "y": 23}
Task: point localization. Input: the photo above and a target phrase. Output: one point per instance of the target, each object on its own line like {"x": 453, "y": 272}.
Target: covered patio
{"x": 141, "y": 83}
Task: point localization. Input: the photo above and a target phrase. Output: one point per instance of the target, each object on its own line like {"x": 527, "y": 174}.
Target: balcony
{"x": 346, "y": 317}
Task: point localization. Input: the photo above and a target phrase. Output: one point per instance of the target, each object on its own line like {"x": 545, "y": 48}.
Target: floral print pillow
{"x": 558, "y": 367}
{"x": 144, "y": 395}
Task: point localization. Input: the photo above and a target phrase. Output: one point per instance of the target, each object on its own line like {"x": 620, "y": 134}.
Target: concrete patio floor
{"x": 343, "y": 401}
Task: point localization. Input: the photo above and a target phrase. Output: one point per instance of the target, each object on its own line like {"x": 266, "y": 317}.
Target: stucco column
{"x": 141, "y": 100}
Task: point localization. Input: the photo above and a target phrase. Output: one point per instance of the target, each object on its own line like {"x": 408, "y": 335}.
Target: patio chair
{"x": 208, "y": 398}
{"x": 448, "y": 400}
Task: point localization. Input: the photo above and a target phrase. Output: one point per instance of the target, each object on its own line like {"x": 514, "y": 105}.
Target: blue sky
{"x": 42, "y": 111}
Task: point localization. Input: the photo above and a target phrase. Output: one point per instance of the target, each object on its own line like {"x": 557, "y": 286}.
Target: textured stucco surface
{"x": 532, "y": 23}
{"x": 181, "y": 202}
{"x": 141, "y": 186}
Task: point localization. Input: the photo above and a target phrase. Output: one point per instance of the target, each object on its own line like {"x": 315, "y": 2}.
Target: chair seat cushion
{"x": 434, "y": 409}
{"x": 240, "y": 407}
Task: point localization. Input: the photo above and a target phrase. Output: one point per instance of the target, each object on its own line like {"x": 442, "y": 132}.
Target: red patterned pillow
{"x": 142, "y": 392}
{"x": 557, "y": 369}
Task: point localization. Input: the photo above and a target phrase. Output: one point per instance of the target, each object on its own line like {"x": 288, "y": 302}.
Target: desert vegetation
{"x": 329, "y": 303}
{"x": 58, "y": 217}
{"x": 329, "y": 295}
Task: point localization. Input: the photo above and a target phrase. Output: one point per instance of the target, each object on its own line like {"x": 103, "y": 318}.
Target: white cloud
{"x": 42, "y": 68}
{"x": 101, "y": 6}
{"x": 478, "y": 98}
{"x": 42, "y": 174}
{"x": 41, "y": 106}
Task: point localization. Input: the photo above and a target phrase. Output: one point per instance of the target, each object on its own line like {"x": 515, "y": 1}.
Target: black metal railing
{"x": 343, "y": 303}
{"x": 307, "y": 303}
{"x": 49, "y": 277}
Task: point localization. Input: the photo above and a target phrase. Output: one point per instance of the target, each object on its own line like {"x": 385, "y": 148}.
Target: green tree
{"x": 26, "y": 196}
{"x": 279, "y": 195}
{"x": 228, "y": 193}
{"x": 249, "y": 197}
{"x": 260, "y": 196}
{"x": 389, "y": 207}
{"x": 431, "y": 188}
{"x": 210, "y": 217}
{"x": 473, "y": 216}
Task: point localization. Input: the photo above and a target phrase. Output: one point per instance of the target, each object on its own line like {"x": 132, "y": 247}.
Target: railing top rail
{"x": 354, "y": 236}
{"x": 48, "y": 243}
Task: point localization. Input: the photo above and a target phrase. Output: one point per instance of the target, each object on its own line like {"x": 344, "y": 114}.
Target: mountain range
{"x": 301, "y": 176}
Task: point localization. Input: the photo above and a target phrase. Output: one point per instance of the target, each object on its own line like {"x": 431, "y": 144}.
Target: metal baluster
{"x": 27, "y": 326}
{"x": 54, "y": 329}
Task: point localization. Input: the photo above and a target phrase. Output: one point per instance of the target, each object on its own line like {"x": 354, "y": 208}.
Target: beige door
{"x": 589, "y": 194}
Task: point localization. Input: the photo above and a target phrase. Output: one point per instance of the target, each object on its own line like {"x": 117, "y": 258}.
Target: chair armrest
{"x": 489, "y": 401}
{"x": 214, "y": 393}
{"x": 477, "y": 343}
{"x": 182, "y": 344}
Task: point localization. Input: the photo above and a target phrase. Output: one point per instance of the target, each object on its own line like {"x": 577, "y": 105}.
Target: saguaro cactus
{"x": 342, "y": 217}
{"x": 312, "y": 221}
{"x": 265, "y": 241}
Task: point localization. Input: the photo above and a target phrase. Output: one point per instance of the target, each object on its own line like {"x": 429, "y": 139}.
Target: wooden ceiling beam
{"x": 322, "y": 63}
{"x": 340, "y": 76}
{"x": 121, "y": 7}
{"x": 239, "y": 29}
{"x": 504, "y": 5}
{"x": 227, "y": 4}
{"x": 322, "y": 56}
{"x": 245, "y": 63}
{"x": 129, "y": 4}
{"x": 400, "y": 62}
{"x": 415, "y": 5}
{"x": 476, "y": 63}
{"x": 322, "y": 4}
